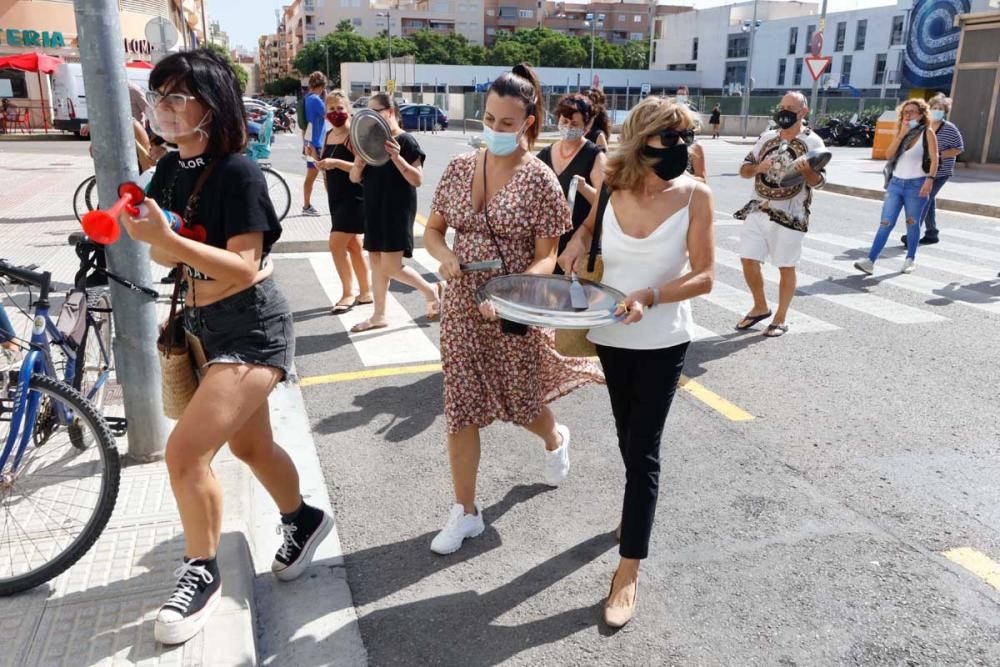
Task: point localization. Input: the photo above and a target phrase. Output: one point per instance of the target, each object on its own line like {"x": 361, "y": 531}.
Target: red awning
{"x": 31, "y": 62}
{"x": 139, "y": 64}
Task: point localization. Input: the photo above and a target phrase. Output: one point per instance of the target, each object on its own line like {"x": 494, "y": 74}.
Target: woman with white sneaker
{"x": 503, "y": 204}
{"x": 658, "y": 248}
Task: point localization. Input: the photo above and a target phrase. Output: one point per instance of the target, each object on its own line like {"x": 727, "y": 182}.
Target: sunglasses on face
{"x": 670, "y": 137}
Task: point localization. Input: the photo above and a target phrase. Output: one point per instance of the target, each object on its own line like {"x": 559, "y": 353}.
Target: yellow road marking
{"x": 977, "y": 563}
{"x": 709, "y": 398}
{"x": 370, "y": 373}
{"x": 714, "y": 401}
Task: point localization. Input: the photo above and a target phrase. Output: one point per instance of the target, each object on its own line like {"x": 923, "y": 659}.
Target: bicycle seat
{"x": 76, "y": 238}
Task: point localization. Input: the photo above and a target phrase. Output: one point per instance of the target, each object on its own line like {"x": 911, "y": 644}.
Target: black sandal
{"x": 782, "y": 329}
{"x": 751, "y": 321}
{"x": 341, "y": 308}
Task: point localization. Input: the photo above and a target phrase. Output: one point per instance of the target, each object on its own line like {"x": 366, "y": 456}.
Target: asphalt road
{"x": 813, "y": 534}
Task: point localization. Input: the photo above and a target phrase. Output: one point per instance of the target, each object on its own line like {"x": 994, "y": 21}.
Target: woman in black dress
{"x": 715, "y": 120}
{"x": 599, "y": 130}
{"x": 575, "y": 158}
{"x": 390, "y": 204}
{"x": 346, "y": 205}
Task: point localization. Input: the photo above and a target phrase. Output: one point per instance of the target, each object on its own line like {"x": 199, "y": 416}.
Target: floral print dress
{"x": 489, "y": 375}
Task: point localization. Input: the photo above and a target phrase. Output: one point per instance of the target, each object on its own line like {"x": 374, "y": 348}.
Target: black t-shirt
{"x": 233, "y": 201}
{"x": 581, "y": 165}
{"x": 390, "y": 201}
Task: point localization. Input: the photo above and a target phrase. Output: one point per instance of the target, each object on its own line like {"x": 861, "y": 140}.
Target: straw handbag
{"x": 177, "y": 361}
{"x": 573, "y": 342}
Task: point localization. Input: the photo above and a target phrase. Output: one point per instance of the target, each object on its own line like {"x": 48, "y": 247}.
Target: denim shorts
{"x": 250, "y": 327}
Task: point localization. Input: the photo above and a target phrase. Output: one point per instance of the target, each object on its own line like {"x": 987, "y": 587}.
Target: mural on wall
{"x": 932, "y": 43}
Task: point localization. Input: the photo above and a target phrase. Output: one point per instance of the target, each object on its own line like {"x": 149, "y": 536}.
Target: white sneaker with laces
{"x": 459, "y": 527}
{"x": 908, "y": 265}
{"x": 865, "y": 266}
{"x": 557, "y": 462}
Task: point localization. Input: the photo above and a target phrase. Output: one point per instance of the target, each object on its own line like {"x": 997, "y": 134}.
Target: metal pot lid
{"x": 543, "y": 301}
{"x": 789, "y": 178}
{"x": 369, "y": 132}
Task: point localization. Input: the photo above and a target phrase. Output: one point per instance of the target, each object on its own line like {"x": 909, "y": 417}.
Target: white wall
{"x": 467, "y": 16}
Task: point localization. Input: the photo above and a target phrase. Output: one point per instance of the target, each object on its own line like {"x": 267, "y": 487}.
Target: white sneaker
{"x": 459, "y": 526}
{"x": 908, "y": 265}
{"x": 865, "y": 266}
{"x": 557, "y": 462}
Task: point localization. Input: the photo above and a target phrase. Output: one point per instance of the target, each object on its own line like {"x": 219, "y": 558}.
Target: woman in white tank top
{"x": 657, "y": 245}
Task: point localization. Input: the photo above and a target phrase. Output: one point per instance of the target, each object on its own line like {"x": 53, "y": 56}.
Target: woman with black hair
{"x": 575, "y": 158}
{"x": 390, "y": 205}
{"x": 505, "y": 204}
{"x": 599, "y": 130}
{"x": 236, "y": 313}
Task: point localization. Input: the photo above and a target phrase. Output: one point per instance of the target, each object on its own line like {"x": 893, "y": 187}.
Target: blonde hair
{"x": 338, "y": 94}
{"x": 925, "y": 111}
{"x": 627, "y": 166}
{"x": 942, "y": 101}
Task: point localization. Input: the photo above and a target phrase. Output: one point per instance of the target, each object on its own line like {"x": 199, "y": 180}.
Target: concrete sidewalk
{"x": 101, "y": 610}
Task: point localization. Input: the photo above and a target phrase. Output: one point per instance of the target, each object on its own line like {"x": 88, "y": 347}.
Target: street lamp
{"x": 593, "y": 26}
{"x": 388, "y": 29}
{"x": 752, "y": 29}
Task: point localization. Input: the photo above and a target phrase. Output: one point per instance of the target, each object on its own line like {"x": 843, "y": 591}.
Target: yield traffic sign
{"x": 818, "y": 65}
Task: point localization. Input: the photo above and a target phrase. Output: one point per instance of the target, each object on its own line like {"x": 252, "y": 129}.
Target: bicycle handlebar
{"x": 42, "y": 280}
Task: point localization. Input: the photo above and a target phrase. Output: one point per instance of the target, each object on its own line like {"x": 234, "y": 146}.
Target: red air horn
{"x": 102, "y": 226}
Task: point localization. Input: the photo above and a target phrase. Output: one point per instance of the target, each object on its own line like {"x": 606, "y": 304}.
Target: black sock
{"x": 293, "y": 515}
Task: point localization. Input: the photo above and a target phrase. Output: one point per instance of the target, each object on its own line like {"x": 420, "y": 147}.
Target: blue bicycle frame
{"x": 38, "y": 361}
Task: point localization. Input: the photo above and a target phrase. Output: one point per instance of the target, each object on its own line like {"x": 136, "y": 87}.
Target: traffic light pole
{"x": 749, "y": 80}
{"x": 813, "y": 101}
{"x": 136, "y": 363}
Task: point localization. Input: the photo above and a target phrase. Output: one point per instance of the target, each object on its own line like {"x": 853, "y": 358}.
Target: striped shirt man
{"x": 948, "y": 137}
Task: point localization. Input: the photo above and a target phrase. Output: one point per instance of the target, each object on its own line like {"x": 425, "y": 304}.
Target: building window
{"x": 845, "y": 69}
{"x": 508, "y": 12}
{"x": 797, "y": 79}
{"x": 491, "y": 31}
{"x": 356, "y": 22}
{"x": 736, "y": 73}
{"x": 793, "y": 40}
{"x": 637, "y": 36}
{"x": 841, "y": 36}
{"x": 738, "y": 46}
{"x": 526, "y": 13}
{"x": 637, "y": 18}
{"x": 809, "y": 36}
{"x": 694, "y": 49}
{"x": 490, "y": 12}
{"x": 859, "y": 36}
{"x": 879, "y": 69}
{"x": 621, "y": 18}
{"x": 782, "y": 66}
{"x": 896, "y": 37}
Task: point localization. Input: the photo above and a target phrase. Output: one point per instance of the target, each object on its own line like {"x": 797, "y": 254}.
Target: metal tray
{"x": 369, "y": 132}
{"x": 543, "y": 301}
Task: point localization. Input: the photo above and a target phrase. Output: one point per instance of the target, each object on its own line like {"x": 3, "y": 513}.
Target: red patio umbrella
{"x": 33, "y": 62}
{"x": 139, "y": 64}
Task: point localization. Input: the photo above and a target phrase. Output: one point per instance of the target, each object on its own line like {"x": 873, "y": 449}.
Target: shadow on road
{"x": 408, "y": 418}
{"x": 702, "y": 352}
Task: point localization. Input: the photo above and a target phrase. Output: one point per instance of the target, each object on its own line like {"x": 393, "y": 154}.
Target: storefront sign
{"x": 29, "y": 38}
{"x": 137, "y": 46}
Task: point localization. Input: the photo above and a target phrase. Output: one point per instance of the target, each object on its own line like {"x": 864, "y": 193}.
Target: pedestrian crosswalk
{"x": 831, "y": 295}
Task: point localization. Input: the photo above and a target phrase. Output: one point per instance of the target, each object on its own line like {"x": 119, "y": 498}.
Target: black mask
{"x": 672, "y": 161}
{"x": 785, "y": 119}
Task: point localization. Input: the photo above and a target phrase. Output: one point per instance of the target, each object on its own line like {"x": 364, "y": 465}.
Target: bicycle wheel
{"x": 277, "y": 188}
{"x": 57, "y": 503}
{"x": 94, "y": 357}
{"x": 82, "y": 197}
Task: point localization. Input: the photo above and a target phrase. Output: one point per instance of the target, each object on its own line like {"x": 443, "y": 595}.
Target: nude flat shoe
{"x": 617, "y": 617}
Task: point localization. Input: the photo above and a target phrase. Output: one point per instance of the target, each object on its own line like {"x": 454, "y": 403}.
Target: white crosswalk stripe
{"x": 738, "y": 301}
{"x": 862, "y": 302}
{"x": 973, "y": 236}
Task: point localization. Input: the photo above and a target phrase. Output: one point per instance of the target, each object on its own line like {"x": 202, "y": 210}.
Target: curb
{"x": 942, "y": 204}
{"x": 38, "y": 137}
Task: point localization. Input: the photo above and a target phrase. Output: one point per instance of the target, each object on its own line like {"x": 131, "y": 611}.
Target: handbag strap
{"x": 189, "y": 210}
{"x": 595, "y": 241}
{"x": 171, "y": 329}
{"x": 486, "y": 217}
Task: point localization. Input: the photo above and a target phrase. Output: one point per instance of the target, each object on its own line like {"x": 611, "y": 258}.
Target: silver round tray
{"x": 543, "y": 301}
{"x": 369, "y": 132}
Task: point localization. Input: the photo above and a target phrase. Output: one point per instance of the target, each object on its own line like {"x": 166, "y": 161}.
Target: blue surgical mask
{"x": 913, "y": 123}
{"x": 501, "y": 143}
{"x": 937, "y": 114}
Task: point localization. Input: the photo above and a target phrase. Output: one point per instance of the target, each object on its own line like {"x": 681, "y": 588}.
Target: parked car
{"x": 423, "y": 117}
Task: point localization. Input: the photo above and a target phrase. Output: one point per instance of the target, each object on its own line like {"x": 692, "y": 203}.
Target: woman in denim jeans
{"x": 910, "y": 184}
{"x": 236, "y": 312}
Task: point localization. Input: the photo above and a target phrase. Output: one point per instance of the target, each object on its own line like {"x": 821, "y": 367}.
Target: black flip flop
{"x": 753, "y": 319}
{"x": 359, "y": 302}
{"x": 782, "y": 329}
{"x": 341, "y": 308}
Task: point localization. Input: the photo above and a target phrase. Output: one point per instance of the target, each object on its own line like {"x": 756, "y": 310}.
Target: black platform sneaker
{"x": 197, "y": 594}
{"x": 300, "y": 537}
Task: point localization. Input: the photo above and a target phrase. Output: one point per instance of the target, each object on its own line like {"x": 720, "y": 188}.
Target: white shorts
{"x": 761, "y": 238}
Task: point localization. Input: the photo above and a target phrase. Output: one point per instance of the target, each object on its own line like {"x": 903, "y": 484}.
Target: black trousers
{"x": 641, "y": 384}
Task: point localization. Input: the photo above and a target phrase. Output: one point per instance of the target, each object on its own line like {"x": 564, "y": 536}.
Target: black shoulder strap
{"x": 595, "y": 242}
{"x": 545, "y": 155}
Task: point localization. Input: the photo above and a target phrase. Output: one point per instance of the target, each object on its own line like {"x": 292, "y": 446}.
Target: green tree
{"x": 241, "y": 74}
{"x": 286, "y": 86}
{"x": 635, "y": 55}
{"x": 335, "y": 48}
{"x": 344, "y": 26}
{"x": 511, "y": 52}
{"x": 561, "y": 51}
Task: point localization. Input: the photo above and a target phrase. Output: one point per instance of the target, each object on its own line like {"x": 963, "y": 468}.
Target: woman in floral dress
{"x": 490, "y": 374}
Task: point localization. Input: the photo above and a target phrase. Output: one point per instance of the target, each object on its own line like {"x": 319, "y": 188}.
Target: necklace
{"x": 573, "y": 150}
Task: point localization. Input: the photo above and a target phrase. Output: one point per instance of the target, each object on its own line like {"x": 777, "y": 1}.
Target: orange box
{"x": 885, "y": 129}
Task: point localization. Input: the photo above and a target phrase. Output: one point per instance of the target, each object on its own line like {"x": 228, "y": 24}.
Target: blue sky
{"x": 246, "y": 20}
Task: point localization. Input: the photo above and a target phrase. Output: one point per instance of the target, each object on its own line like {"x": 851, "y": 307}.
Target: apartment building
{"x": 273, "y": 55}
{"x": 404, "y": 17}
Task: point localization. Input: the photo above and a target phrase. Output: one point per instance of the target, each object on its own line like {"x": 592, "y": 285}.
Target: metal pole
{"x": 388, "y": 27}
{"x": 746, "y": 88}
{"x": 652, "y": 25}
{"x": 204, "y": 24}
{"x": 138, "y": 369}
{"x": 815, "y": 91}
{"x": 593, "y": 27}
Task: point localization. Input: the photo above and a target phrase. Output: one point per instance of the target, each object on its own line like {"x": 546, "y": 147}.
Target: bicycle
{"x": 85, "y": 197}
{"x": 59, "y": 467}
{"x": 260, "y": 151}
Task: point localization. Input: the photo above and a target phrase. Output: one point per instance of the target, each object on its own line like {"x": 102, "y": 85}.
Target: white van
{"x": 69, "y": 100}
